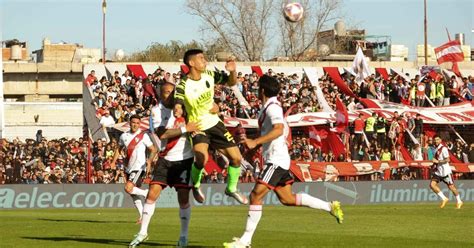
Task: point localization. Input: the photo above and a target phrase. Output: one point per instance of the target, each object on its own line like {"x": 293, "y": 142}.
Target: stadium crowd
{"x": 64, "y": 161}
{"x": 121, "y": 95}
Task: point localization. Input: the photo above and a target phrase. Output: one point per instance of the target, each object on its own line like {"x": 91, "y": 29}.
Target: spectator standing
{"x": 420, "y": 94}
{"x": 39, "y": 136}
{"x": 447, "y": 92}
{"x": 359, "y": 126}
{"x": 381, "y": 131}
{"x": 471, "y": 153}
{"x": 126, "y": 76}
{"x": 416, "y": 153}
{"x": 351, "y": 107}
{"x": 418, "y": 130}
{"x": 394, "y": 131}
{"x": 107, "y": 120}
{"x": 440, "y": 92}
{"x": 433, "y": 92}
{"x": 370, "y": 126}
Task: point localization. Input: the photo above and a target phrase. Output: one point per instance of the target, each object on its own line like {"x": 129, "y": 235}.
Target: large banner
{"x": 458, "y": 114}
{"x": 328, "y": 171}
{"x": 113, "y": 195}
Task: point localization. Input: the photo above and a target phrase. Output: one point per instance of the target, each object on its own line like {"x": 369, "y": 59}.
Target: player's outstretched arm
{"x": 164, "y": 133}
{"x": 276, "y": 132}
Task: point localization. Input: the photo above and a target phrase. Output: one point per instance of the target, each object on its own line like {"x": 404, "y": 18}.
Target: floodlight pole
{"x": 426, "y": 35}
{"x": 104, "y": 9}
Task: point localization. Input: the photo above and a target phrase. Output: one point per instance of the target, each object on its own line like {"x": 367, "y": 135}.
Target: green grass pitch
{"x": 415, "y": 225}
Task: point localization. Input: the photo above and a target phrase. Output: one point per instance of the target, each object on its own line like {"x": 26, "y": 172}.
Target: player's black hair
{"x": 189, "y": 53}
{"x": 270, "y": 85}
{"x": 135, "y": 117}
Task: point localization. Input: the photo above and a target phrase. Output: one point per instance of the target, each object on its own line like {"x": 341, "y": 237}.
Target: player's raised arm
{"x": 231, "y": 67}
{"x": 179, "y": 92}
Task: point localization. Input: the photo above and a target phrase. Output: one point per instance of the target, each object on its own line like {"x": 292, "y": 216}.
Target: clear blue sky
{"x": 134, "y": 24}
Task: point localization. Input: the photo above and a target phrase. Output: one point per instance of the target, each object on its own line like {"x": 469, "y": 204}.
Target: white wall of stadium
{"x": 113, "y": 195}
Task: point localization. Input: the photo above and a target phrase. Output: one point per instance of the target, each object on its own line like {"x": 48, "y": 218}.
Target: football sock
{"x": 440, "y": 194}
{"x": 138, "y": 202}
{"x": 303, "y": 199}
{"x": 255, "y": 213}
{"x": 458, "y": 198}
{"x": 138, "y": 191}
{"x": 185, "y": 216}
{"x": 196, "y": 175}
{"x": 148, "y": 211}
{"x": 233, "y": 174}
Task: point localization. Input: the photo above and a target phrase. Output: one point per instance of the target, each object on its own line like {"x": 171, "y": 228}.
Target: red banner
{"x": 137, "y": 71}
{"x": 333, "y": 72}
{"x": 383, "y": 72}
{"x": 257, "y": 69}
{"x": 327, "y": 171}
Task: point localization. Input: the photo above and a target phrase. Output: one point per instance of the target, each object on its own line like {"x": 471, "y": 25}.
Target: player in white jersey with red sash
{"x": 173, "y": 168}
{"x": 135, "y": 143}
{"x": 275, "y": 175}
{"x": 442, "y": 173}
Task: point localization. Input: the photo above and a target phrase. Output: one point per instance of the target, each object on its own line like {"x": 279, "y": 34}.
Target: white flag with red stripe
{"x": 449, "y": 52}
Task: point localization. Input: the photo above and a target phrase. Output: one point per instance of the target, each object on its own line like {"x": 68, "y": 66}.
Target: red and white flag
{"x": 342, "y": 117}
{"x": 449, "y": 52}
{"x": 316, "y": 137}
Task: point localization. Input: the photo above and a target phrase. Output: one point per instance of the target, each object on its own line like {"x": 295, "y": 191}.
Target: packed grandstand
{"x": 392, "y": 117}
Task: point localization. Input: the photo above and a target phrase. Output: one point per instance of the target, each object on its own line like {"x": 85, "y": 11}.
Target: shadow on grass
{"x": 86, "y": 221}
{"x": 109, "y": 241}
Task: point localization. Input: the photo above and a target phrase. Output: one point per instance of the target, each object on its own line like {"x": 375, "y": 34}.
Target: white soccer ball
{"x": 293, "y": 12}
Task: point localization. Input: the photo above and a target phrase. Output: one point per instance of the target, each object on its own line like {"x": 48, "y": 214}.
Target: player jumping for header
{"x": 196, "y": 93}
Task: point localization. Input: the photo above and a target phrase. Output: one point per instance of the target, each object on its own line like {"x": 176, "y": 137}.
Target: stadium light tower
{"x": 426, "y": 34}
{"x": 104, "y": 10}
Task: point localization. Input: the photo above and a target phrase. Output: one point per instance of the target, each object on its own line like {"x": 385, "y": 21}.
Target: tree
{"x": 173, "y": 51}
{"x": 298, "y": 38}
{"x": 241, "y": 26}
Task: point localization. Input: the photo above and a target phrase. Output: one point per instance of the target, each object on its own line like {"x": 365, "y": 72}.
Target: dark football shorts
{"x": 448, "y": 180}
{"x": 274, "y": 176}
{"x": 136, "y": 177}
{"x": 175, "y": 174}
{"x": 218, "y": 137}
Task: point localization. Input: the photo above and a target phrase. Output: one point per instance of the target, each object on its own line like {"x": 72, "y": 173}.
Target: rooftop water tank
{"x": 15, "y": 52}
{"x": 340, "y": 28}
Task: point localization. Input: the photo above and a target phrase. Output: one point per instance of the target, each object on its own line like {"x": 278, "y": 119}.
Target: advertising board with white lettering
{"x": 113, "y": 195}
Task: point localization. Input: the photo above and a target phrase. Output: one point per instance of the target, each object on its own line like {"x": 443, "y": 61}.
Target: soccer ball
{"x": 293, "y": 12}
